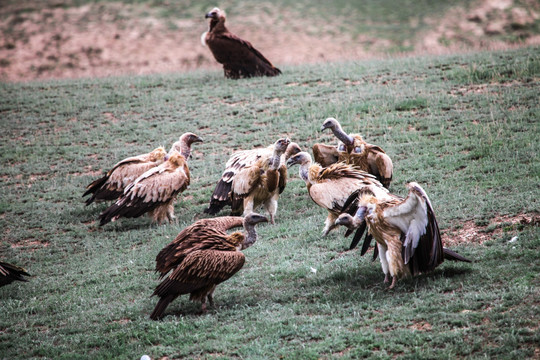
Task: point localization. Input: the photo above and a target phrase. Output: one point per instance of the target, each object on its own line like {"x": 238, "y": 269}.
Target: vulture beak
{"x": 209, "y": 15}
{"x": 198, "y": 139}
{"x": 291, "y": 162}
{"x": 255, "y": 218}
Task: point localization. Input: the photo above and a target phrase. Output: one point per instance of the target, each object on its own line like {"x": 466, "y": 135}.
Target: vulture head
{"x": 253, "y": 219}
{"x": 302, "y": 158}
{"x": 183, "y": 145}
{"x": 250, "y": 221}
{"x": 335, "y": 126}
{"x": 292, "y": 149}
{"x": 281, "y": 145}
{"x": 158, "y": 154}
{"x": 352, "y": 222}
{"x": 215, "y": 15}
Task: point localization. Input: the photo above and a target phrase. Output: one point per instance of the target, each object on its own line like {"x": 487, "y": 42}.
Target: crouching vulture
{"x": 330, "y": 187}
{"x": 155, "y": 191}
{"x": 10, "y": 273}
{"x": 202, "y": 256}
{"x": 239, "y": 58}
{"x": 353, "y": 150}
{"x": 112, "y": 185}
{"x": 406, "y": 231}
{"x": 240, "y": 161}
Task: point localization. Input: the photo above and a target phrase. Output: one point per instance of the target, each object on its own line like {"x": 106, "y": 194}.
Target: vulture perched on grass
{"x": 155, "y": 191}
{"x": 112, "y": 185}
{"x": 202, "y": 256}
{"x": 239, "y": 58}
{"x": 406, "y": 231}
{"x": 10, "y": 273}
{"x": 239, "y": 161}
{"x": 353, "y": 150}
{"x": 330, "y": 187}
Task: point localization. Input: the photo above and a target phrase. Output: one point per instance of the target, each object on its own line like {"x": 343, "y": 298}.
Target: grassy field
{"x": 466, "y": 127}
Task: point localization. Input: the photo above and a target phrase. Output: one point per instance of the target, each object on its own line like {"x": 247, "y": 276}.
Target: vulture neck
{"x": 251, "y": 236}
{"x": 342, "y": 135}
{"x": 217, "y": 26}
{"x": 185, "y": 149}
{"x": 304, "y": 172}
{"x": 275, "y": 160}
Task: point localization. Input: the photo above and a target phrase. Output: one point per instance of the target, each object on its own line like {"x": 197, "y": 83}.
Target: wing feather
{"x": 208, "y": 266}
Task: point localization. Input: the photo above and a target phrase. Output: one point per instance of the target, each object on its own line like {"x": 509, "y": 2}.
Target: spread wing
{"x": 415, "y": 218}
{"x": 10, "y": 273}
{"x": 155, "y": 187}
{"x": 239, "y": 57}
{"x": 324, "y": 154}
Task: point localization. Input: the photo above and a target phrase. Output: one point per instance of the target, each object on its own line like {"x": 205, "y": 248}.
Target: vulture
{"x": 112, "y": 185}
{"x": 202, "y": 256}
{"x": 239, "y": 161}
{"x": 238, "y": 57}
{"x": 352, "y": 149}
{"x": 260, "y": 184}
{"x": 406, "y": 231}
{"x": 331, "y": 187}
{"x": 9, "y": 273}
{"x": 155, "y": 191}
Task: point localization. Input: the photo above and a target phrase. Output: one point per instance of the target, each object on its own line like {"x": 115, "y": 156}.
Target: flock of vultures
{"x": 350, "y": 180}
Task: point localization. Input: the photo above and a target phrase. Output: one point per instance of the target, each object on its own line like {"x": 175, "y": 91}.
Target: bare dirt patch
{"x": 108, "y": 39}
{"x": 470, "y": 232}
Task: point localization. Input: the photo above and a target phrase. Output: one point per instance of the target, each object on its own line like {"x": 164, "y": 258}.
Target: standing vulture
{"x": 330, "y": 187}
{"x": 260, "y": 184}
{"x": 239, "y": 58}
{"x": 202, "y": 256}
{"x": 353, "y": 150}
{"x": 406, "y": 231}
{"x": 112, "y": 185}
{"x": 9, "y": 273}
{"x": 240, "y": 160}
{"x": 155, "y": 191}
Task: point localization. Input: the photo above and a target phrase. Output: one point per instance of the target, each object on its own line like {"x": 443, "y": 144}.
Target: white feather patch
{"x": 203, "y": 38}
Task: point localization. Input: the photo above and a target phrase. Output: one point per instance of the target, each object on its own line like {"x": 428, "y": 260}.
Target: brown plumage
{"x": 112, "y": 185}
{"x": 10, "y": 273}
{"x": 330, "y": 187}
{"x": 239, "y": 58}
{"x": 239, "y": 161}
{"x": 155, "y": 191}
{"x": 202, "y": 256}
{"x": 353, "y": 150}
{"x": 406, "y": 230}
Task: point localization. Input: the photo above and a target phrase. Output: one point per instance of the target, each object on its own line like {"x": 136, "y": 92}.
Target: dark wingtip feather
{"x": 454, "y": 256}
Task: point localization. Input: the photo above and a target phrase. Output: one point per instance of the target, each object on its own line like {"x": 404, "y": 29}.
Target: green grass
{"x": 465, "y": 127}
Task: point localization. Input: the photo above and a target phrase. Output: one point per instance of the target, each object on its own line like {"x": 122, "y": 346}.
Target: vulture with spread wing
{"x": 406, "y": 231}
{"x": 10, "y": 273}
{"x": 239, "y": 58}
{"x": 155, "y": 191}
{"x": 202, "y": 256}
{"x": 112, "y": 185}
{"x": 330, "y": 187}
{"x": 239, "y": 161}
{"x": 353, "y": 150}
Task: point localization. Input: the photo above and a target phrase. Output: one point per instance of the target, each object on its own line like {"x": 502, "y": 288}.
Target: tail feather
{"x": 220, "y": 197}
{"x": 161, "y": 306}
{"x": 454, "y": 256}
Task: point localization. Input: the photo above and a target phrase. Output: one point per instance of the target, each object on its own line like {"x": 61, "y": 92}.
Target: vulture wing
{"x": 414, "y": 216}
{"x": 10, "y": 273}
{"x": 208, "y": 267}
{"x": 282, "y": 178}
{"x": 195, "y": 235}
{"x": 244, "y": 182}
{"x": 239, "y": 57}
{"x": 380, "y": 164}
{"x": 155, "y": 187}
{"x": 324, "y": 154}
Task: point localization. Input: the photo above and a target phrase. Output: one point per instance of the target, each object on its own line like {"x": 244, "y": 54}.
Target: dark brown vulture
{"x": 9, "y": 273}
{"x": 112, "y": 185}
{"x": 406, "y": 231}
{"x": 155, "y": 191}
{"x": 330, "y": 187}
{"x": 239, "y": 58}
{"x": 202, "y": 256}
{"x": 353, "y": 150}
{"x": 240, "y": 160}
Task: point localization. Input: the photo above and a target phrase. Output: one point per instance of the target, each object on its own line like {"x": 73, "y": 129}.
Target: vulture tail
{"x": 220, "y": 198}
{"x": 93, "y": 188}
{"x": 161, "y": 306}
{"x": 454, "y": 256}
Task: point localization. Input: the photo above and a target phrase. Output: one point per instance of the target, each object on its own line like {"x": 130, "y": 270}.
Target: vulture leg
{"x": 271, "y": 206}
{"x": 394, "y": 280}
{"x": 329, "y": 224}
{"x": 384, "y": 262}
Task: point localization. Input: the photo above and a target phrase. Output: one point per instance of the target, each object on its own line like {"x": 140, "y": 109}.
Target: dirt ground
{"x": 105, "y": 39}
